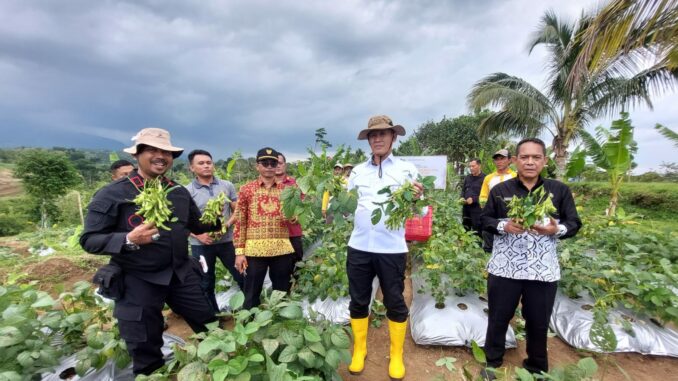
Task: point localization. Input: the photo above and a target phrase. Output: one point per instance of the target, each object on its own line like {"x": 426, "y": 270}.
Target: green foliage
{"x": 273, "y": 341}
{"x": 563, "y": 109}
{"x": 320, "y": 134}
{"x": 323, "y": 273}
{"x": 14, "y": 216}
{"x": 451, "y": 260}
{"x": 584, "y": 370}
{"x": 611, "y": 151}
{"x": 613, "y": 261}
{"x": 532, "y": 208}
{"x": 153, "y": 204}
{"x": 46, "y": 175}
{"x": 32, "y": 322}
{"x": 213, "y": 213}
{"x": 402, "y": 204}
{"x": 668, "y": 133}
{"x": 316, "y": 178}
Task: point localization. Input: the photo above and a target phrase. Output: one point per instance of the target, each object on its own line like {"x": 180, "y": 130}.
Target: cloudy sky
{"x": 229, "y": 75}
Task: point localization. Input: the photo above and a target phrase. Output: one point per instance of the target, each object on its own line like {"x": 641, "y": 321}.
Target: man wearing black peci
{"x": 148, "y": 267}
{"x": 524, "y": 265}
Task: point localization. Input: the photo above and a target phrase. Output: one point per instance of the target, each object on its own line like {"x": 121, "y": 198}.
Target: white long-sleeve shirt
{"x": 365, "y": 178}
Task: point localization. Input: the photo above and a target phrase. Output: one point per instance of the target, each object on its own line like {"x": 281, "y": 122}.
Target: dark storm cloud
{"x": 227, "y": 75}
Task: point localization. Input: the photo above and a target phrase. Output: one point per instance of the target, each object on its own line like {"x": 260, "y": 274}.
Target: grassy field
{"x": 655, "y": 204}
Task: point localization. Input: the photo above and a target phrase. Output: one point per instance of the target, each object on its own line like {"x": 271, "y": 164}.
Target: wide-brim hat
{"x": 338, "y": 166}
{"x": 154, "y": 137}
{"x": 501, "y": 152}
{"x": 381, "y": 122}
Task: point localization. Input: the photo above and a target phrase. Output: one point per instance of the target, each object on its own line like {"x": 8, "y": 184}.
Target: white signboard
{"x": 430, "y": 166}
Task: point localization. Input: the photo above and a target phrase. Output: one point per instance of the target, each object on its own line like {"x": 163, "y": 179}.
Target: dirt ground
{"x": 420, "y": 360}
{"x": 9, "y": 186}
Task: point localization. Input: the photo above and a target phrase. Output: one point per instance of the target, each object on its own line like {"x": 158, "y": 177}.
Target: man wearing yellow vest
{"x": 502, "y": 159}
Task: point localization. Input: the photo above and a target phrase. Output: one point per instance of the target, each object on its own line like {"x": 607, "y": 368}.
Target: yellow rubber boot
{"x": 396, "y": 367}
{"x": 359, "y": 327}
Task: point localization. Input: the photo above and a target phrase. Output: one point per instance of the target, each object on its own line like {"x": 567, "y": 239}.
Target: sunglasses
{"x": 269, "y": 163}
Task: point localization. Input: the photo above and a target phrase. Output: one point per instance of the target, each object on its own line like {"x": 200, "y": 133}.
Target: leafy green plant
{"x": 153, "y": 204}
{"x": 213, "y": 213}
{"x": 583, "y": 370}
{"x": 273, "y": 341}
{"x": 532, "y": 208}
{"x": 611, "y": 151}
{"x": 27, "y": 329}
{"x": 316, "y": 177}
{"x": 401, "y": 203}
{"x": 323, "y": 273}
{"x": 613, "y": 260}
{"x": 452, "y": 259}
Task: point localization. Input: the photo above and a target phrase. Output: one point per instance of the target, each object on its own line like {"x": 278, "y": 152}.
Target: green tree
{"x": 634, "y": 29}
{"x": 611, "y": 151}
{"x": 563, "y": 111}
{"x": 457, "y": 138}
{"x": 46, "y": 175}
{"x": 320, "y": 134}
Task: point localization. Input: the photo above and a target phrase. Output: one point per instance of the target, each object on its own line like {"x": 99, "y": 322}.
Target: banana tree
{"x": 611, "y": 151}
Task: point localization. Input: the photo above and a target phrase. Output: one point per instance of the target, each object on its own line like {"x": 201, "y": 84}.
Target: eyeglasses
{"x": 269, "y": 163}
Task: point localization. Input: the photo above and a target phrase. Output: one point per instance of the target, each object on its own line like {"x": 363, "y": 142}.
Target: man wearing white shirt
{"x": 374, "y": 250}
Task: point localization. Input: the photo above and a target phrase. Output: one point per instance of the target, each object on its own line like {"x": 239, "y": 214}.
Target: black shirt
{"x": 112, "y": 214}
{"x": 471, "y": 188}
{"x": 496, "y": 207}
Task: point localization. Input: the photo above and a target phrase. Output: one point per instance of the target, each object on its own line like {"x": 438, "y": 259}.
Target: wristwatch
{"x": 129, "y": 245}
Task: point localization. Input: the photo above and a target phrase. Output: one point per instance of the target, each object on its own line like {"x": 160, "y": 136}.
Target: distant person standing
{"x": 204, "y": 187}
{"x": 120, "y": 169}
{"x": 294, "y": 227}
{"x": 502, "y": 160}
{"x": 470, "y": 191}
{"x": 262, "y": 238}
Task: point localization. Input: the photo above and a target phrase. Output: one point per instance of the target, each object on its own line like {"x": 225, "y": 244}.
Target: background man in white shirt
{"x": 373, "y": 250}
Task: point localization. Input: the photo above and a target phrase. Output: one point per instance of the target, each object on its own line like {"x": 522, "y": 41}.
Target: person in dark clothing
{"x": 470, "y": 190}
{"x": 155, "y": 266}
{"x": 524, "y": 264}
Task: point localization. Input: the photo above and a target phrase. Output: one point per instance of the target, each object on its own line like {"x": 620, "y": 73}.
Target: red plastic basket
{"x": 419, "y": 228}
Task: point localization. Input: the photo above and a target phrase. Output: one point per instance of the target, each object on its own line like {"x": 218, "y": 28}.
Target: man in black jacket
{"x": 470, "y": 190}
{"x": 524, "y": 264}
{"x": 156, "y": 268}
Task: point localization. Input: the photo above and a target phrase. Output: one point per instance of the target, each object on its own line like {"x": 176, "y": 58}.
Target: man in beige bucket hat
{"x": 374, "y": 250}
{"x": 148, "y": 267}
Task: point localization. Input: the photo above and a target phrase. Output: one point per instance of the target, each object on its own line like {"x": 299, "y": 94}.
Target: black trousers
{"x": 298, "y": 246}
{"x": 537, "y": 299}
{"x": 279, "y": 270}
{"x": 226, "y": 254}
{"x": 361, "y": 268}
{"x": 488, "y": 241}
{"x": 471, "y": 218}
{"x": 140, "y": 319}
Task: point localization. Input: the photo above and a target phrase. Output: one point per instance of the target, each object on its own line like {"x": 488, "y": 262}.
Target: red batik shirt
{"x": 260, "y": 228}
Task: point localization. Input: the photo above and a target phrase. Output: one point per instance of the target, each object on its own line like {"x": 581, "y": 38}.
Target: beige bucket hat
{"x": 380, "y": 122}
{"x": 154, "y": 137}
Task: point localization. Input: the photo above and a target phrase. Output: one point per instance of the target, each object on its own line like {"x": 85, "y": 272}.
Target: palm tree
{"x": 632, "y": 28}
{"x": 668, "y": 133}
{"x": 561, "y": 111}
